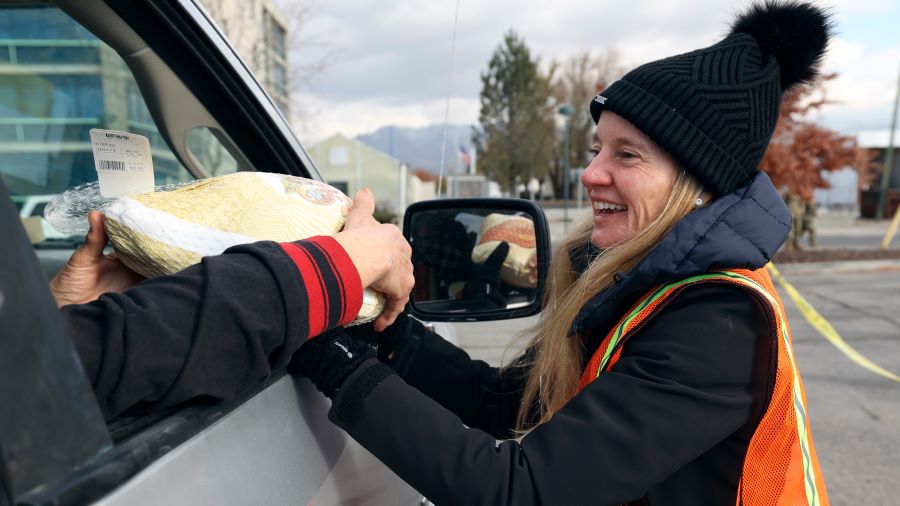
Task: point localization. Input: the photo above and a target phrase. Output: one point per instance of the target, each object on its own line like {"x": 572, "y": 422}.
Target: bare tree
{"x": 275, "y": 38}
{"x": 575, "y": 81}
{"x": 310, "y": 52}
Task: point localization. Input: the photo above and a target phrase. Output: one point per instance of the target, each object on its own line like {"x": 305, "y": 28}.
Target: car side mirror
{"x": 477, "y": 259}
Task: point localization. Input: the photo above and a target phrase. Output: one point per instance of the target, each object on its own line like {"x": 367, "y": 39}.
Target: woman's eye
{"x": 593, "y": 152}
{"x": 627, "y": 155}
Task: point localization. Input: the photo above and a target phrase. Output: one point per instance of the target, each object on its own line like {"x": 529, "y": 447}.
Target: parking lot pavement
{"x": 833, "y": 230}
{"x": 855, "y": 414}
{"x": 494, "y": 342}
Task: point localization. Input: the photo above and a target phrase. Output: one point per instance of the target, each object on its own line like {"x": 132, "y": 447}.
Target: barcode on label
{"x": 112, "y": 165}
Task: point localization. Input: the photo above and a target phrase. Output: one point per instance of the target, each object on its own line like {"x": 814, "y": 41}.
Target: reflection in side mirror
{"x": 477, "y": 259}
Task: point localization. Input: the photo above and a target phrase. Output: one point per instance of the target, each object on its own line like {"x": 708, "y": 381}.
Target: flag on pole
{"x": 464, "y": 157}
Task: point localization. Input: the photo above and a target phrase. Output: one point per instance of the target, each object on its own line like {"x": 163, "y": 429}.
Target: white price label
{"x": 123, "y": 162}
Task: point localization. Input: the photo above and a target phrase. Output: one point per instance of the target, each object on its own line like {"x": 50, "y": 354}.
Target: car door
{"x": 161, "y": 69}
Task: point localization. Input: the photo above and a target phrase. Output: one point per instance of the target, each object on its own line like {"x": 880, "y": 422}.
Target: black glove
{"x": 484, "y": 280}
{"x": 331, "y": 358}
{"x": 388, "y": 340}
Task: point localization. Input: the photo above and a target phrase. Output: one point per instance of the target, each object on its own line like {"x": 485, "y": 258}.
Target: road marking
{"x": 821, "y": 324}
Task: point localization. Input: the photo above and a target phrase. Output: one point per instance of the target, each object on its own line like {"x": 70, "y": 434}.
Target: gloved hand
{"x": 331, "y": 358}
{"x": 484, "y": 279}
{"x": 489, "y": 270}
{"x": 388, "y": 340}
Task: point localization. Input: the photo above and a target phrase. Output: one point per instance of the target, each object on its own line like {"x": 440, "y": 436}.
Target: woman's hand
{"x": 331, "y": 358}
{"x": 381, "y": 255}
{"x": 89, "y": 273}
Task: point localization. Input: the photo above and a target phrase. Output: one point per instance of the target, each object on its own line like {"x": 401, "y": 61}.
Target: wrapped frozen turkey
{"x": 518, "y": 232}
{"x": 164, "y": 232}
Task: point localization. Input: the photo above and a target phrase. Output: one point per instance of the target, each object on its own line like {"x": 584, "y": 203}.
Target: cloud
{"x": 863, "y": 93}
{"x": 393, "y": 62}
{"x": 352, "y": 118}
{"x": 850, "y": 7}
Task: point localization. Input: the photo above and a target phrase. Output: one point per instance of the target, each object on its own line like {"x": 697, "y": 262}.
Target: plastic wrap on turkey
{"x": 164, "y": 232}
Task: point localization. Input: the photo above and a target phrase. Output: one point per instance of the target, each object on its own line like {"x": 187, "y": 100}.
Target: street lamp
{"x": 566, "y": 111}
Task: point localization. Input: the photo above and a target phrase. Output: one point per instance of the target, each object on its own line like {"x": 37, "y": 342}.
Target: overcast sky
{"x": 393, "y": 56}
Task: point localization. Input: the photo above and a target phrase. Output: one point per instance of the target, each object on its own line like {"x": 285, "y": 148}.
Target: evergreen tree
{"x": 516, "y": 135}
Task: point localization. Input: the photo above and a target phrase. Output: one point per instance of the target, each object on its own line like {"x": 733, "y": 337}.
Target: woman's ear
{"x": 703, "y": 198}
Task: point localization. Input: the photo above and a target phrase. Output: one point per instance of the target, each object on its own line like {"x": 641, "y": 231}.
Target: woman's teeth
{"x": 607, "y": 207}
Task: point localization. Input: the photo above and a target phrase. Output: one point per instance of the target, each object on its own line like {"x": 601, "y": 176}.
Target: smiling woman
{"x": 661, "y": 370}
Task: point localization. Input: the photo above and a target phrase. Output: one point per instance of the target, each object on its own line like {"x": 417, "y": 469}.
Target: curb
{"x": 807, "y": 268}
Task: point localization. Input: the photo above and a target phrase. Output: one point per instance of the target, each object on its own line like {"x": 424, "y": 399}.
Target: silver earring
{"x": 698, "y": 203}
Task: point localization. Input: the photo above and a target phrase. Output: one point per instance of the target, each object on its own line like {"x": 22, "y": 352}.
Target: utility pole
{"x": 359, "y": 183}
{"x": 888, "y": 163}
{"x": 888, "y": 158}
{"x": 404, "y": 177}
{"x": 566, "y": 111}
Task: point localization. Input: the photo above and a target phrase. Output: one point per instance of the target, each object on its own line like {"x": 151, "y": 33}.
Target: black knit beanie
{"x": 714, "y": 109}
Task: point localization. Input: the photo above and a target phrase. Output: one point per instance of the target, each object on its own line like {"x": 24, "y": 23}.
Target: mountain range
{"x": 420, "y": 148}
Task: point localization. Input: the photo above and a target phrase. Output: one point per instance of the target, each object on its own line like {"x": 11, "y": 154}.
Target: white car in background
{"x": 33, "y": 205}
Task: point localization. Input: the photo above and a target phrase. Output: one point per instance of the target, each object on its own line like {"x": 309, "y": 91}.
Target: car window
{"x": 58, "y": 81}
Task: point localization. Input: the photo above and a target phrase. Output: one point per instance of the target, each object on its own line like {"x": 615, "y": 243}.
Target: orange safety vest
{"x": 781, "y": 466}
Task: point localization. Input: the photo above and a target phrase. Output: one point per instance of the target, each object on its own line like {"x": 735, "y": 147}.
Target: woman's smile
{"x": 628, "y": 180}
{"x": 604, "y": 207}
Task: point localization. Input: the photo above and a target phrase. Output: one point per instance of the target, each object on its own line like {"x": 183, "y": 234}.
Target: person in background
{"x": 809, "y": 222}
{"x": 661, "y": 370}
{"x": 795, "y": 204}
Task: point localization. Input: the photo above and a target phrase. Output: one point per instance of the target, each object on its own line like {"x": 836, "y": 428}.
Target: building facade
{"x": 351, "y": 165}
{"x": 58, "y": 81}
{"x": 259, "y": 32}
{"x": 870, "y": 192}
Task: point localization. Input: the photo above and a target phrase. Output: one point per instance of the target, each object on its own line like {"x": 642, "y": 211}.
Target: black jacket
{"x": 669, "y": 424}
{"x": 211, "y": 331}
{"x": 214, "y": 329}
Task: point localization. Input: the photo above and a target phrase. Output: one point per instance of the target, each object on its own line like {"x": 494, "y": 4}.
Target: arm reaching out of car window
{"x": 221, "y": 326}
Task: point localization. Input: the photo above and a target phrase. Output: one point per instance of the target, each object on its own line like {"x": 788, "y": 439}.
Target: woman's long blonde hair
{"x": 557, "y": 363}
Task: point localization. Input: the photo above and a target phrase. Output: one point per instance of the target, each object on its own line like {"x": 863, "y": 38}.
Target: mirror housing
{"x": 477, "y": 259}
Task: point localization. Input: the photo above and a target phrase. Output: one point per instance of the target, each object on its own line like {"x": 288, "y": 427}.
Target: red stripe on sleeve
{"x": 346, "y": 272}
{"x": 314, "y": 284}
{"x": 340, "y": 264}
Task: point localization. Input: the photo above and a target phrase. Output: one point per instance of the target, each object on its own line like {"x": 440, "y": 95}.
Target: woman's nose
{"x": 597, "y": 173}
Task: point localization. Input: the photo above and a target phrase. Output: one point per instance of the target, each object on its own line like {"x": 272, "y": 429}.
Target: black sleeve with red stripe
{"x": 214, "y": 329}
{"x": 333, "y": 286}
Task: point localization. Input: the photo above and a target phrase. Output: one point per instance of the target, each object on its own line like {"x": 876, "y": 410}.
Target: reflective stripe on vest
{"x": 782, "y": 436}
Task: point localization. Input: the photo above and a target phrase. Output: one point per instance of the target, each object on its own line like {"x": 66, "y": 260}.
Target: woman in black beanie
{"x": 661, "y": 371}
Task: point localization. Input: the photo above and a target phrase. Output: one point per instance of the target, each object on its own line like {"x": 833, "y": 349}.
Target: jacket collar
{"x": 742, "y": 229}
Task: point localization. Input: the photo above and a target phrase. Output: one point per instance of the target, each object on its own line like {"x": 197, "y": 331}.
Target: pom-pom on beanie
{"x": 714, "y": 109}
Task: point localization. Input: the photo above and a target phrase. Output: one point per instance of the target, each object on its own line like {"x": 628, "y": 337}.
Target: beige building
{"x": 350, "y": 165}
{"x": 259, "y": 32}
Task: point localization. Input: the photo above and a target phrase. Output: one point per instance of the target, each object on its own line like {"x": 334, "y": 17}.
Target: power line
{"x": 447, "y": 105}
